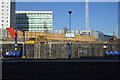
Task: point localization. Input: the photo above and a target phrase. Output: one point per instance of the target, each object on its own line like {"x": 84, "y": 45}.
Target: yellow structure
{"x": 38, "y": 40}
{"x": 52, "y": 37}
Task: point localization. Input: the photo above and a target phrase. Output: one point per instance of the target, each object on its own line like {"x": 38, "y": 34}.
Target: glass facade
{"x": 35, "y": 21}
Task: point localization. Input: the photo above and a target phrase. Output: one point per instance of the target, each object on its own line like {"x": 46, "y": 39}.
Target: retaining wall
{"x": 52, "y": 51}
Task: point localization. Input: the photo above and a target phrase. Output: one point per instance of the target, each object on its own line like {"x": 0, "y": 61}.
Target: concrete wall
{"x": 52, "y": 51}
{"x": 3, "y": 34}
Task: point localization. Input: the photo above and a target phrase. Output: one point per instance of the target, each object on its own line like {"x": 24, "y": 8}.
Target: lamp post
{"x": 69, "y": 44}
{"x": 70, "y": 12}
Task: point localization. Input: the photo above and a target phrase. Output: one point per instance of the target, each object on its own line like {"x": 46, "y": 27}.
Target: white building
{"x": 79, "y": 32}
{"x": 7, "y": 15}
{"x": 35, "y": 21}
{"x": 96, "y": 34}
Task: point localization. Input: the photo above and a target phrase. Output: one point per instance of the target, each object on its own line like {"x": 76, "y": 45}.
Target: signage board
{"x": 69, "y": 35}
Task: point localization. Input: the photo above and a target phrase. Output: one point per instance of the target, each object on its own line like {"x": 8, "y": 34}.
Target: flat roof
{"x": 34, "y": 11}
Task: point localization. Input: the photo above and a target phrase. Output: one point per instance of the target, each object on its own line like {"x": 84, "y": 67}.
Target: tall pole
{"x": 87, "y": 18}
{"x": 16, "y": 43}
{"x": 16, "y": 46}
{"x": 70, "y": 12}
{"x": 69, "y": 44}
{"x": 24, "y": 51}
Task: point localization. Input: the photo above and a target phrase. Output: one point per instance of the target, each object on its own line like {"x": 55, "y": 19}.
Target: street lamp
{"x": 69, "y": 44}
{"x": 70, "y": 12}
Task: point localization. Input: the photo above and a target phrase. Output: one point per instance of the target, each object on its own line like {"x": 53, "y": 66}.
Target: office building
{"x": 35, "y": 21}
{"x": 7, "y": 15}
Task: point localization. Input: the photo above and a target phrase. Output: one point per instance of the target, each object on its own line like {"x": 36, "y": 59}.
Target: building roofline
{"x": 108, "y": 35}
{"x": 34, "y": 11}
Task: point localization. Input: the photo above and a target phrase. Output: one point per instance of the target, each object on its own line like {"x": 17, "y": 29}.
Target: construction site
{"x": 43, "y": 55}
{"x": 51, "y": 37}
{"x": 51, "y": 46}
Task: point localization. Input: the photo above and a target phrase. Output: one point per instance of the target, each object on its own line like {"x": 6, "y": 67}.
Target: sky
{"x": 66, "y": 0}
{"x": 103, "y": 16}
